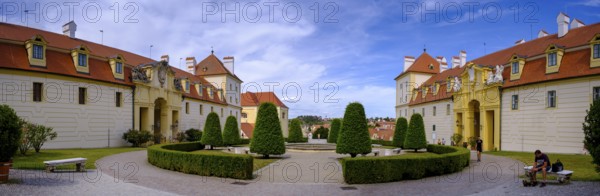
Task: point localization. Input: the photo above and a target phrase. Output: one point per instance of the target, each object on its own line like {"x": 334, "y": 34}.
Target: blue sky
{"x": 349, "y": 51}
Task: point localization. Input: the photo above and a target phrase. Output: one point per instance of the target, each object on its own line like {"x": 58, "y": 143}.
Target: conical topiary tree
{"x": 295, "y": 132}
{"x": 335, "y": 129}
{"x": 267, "y": 138}
{"x": 354, "y": 137}
{"x": 231, "y": 132}
{"x": 212, "y": 131}
{"x": 415, "y": 135}
{"x": 591, "y": 130}
{"x": 400, "y": 132}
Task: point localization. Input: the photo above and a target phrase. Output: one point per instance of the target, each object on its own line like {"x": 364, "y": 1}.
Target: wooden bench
{"x": 79, "y": 163}
{"x": 397, "y": 150}
{"x": 563, "y": 176}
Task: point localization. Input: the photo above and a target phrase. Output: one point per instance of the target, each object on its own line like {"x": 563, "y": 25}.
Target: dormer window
{"x": 119, "y": 68}
{"x": 116, "y": 64}
{"x": 82, "y": 60}
{"x": 80, "y": 57}
{"x": 595, "y": 53}
{"x": 187, "y": 85}
{"x": 515, "y": 67}
{"x": 552, "y": 59}
{"x": 431, "y": 66}
{"x": 36, "y": 49}
{"x": 554, "y": 55}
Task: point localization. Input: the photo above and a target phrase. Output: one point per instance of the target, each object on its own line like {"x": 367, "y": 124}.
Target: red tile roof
{"x": 573, "y": 64}
{"x": 248, "y": 129}
{"x": 255, "y": 99}
{"x": 421, "y": 65}
{"x": 193, "y": 93}
{"x": 213, "y": 66}
{"x": 14, "y": 56}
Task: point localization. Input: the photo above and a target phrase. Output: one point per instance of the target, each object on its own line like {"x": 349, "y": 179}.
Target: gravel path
{"x": 306, "y": 173}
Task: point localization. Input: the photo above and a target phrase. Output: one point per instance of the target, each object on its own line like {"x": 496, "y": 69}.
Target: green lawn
{"x": 258, "y": 162}
{"x": 36, "y": 160}
{"x": 581, "y": 165}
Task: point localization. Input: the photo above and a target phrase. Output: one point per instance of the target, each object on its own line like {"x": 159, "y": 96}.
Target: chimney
{"x": 228, "y": 62}
{"x": 190, "y": 63}
{"x": 69, "y": 29}
{"x": 563, "y": 24}
{"x": 408, "y": 61}
{"x": 542, "y": 33}
{"x": 443, "y": 63}
{"x": 455, "y": 61}
{"x": 164, "y": 58}
{"x": 463, "y": 58}
{"x": 576, "y": 24}
{"x": 520, "y": 42}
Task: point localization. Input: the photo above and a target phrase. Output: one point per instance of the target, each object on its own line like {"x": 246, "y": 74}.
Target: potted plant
{"x": 10, "y": 136}
{"x": 472, "y": 142}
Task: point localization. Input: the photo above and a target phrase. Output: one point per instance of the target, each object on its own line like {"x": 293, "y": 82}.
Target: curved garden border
{"x": 178, "y": 157}
{"x": 446, "y": 159}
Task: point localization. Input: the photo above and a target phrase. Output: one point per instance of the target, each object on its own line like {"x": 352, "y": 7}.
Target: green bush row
{"x": 447, "y": 159}
{"x": 177, "y": 157}
{"x": 383, "y": 142}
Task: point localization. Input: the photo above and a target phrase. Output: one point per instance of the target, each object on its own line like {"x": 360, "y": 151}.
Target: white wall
{"x": 77, "y": 126}
{"x": 533, "y": 126}
{"x": 443, "y": 121}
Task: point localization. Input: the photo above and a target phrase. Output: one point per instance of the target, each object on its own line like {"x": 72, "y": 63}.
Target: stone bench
{"x": 563, "y": 176}
{"x": 79, "y": 163}
{"x": 397, "y": 150}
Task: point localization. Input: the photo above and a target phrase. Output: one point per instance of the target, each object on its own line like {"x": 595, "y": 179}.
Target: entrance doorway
{"x": 159, "y": 120}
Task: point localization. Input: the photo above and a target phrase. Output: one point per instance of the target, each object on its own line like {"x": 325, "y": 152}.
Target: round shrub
{"x": 354, "y": 137}
{"x": 295, "y": 132}
{"x": 193, "y": 135}
{"x": 400, "y": 132}
{"x": 10, "y": 133}
{"x": 267, "y": 138}
{"x": 335, "y": 128}
{"x": 231, "y": 132}
{"x": 415, "y": 136}
{"x": 137, "y": 138}
{"x": 212, "y": 131}
{"x": 321, "y": 133}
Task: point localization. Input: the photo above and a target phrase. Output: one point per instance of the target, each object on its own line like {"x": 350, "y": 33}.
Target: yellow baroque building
{"x": 91, "y": 94}
{"x": 533, "y": 95}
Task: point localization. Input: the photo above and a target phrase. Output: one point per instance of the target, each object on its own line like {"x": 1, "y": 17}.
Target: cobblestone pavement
{"x": 306, "y": 173}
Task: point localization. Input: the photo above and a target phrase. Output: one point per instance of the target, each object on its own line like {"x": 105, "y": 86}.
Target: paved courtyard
{"x": 306, "y": 173}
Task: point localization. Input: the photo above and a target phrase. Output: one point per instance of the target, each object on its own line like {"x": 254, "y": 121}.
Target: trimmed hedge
{"x": 212, "y": 131}
{"x": 415, "y": 135}
{"x": 295, "y": 135}
{"x": 267, "y": 138}
{"x": 383, "y": 142}
{"x": 231, "y": 132}
{"x": 400, "y": 132}
{"x": 177, "y": 157}
{"x": 363, "y": 170}
{"x": 353, "y": 137}
{"x": 335, "y": 129}
{"x": 244, "y": 141}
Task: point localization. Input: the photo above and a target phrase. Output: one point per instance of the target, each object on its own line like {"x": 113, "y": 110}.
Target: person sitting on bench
{"x": 542, "y": 163}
